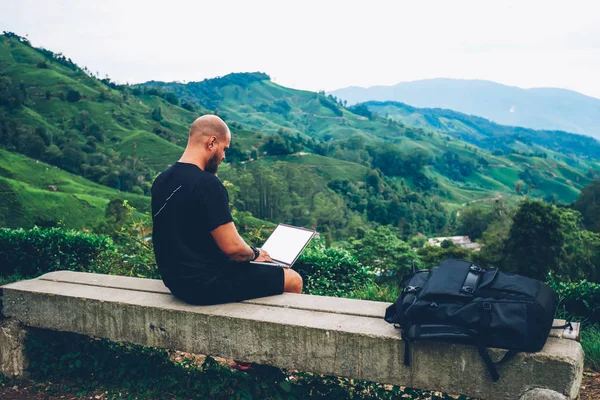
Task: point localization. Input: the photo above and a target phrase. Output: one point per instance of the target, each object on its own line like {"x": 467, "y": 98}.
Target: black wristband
{"x": 256, "y": 252}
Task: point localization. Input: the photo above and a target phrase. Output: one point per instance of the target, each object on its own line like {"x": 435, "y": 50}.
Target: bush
{"x": 73, "y": 96}
{"x": 330, "y": 271}
{"x": 432, "y": 255}
{"x": 382, "y": 251}
{"x": 36, "y": 251}
{"x": 580, "y": 300}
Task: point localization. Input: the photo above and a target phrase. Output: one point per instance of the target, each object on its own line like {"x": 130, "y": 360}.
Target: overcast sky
{"x": 322, "y": 44}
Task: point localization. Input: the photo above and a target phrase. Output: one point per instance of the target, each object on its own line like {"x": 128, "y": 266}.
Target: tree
{"x": 10, "y": 95}
{"x": 588, "y": 204}
{"x": 384, "y": 252}
{"x": 276, "y": 145}
{"x": 431, "y": 256}
{"x": 118, "y": 214}
{"x": 187, "y": 106}
{"x": 73, "y": 96}
{"x": 31, "y": 145}
{"x": 581, "y": 255}
{"x": 53, "y": 154}
{"x": 156, "y": 114}
{"x": 535, "y": 242}
{"x": 474, "y": 220}
{"x": 72, "y": 159}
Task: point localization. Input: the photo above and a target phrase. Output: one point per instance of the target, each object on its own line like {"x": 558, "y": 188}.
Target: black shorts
{"x": 233, "y": 282}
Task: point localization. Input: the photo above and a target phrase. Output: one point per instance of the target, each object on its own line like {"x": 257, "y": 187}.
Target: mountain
{"x": 485, "y": 133}
{"x": 540, "y": 108}
{"x": 352, "y": 134}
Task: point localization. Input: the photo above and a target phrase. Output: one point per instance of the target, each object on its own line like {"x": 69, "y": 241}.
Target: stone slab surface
{"x": 354, "y": 346}
{"x": 287, "y": 300}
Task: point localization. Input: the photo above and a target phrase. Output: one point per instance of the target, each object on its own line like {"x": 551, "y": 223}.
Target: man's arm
{"x": 231, "y": 243}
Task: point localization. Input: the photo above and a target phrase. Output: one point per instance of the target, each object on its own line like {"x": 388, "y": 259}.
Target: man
{"x": 200, "y": 255}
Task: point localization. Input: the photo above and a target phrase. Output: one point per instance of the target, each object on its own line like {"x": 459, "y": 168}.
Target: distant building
{"x": 459, "y": 241}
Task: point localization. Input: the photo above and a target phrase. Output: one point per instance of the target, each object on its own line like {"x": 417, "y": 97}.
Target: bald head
{"x": 207, "y": 126}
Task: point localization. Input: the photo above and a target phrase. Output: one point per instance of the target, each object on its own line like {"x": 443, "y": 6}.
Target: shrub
{"x": 433, "y": 255}
{"x": 383, "y": 252}
{"x": 73, "y": 96}
{"x": 37, "y": 251}
{"x": 330, "y": 271}
{"x": 577, "y": 299}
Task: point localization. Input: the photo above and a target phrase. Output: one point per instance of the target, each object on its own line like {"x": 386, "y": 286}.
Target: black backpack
{"x": 460, "y": 302}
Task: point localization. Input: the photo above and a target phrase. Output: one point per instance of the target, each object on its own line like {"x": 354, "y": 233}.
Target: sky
{"x": 325, "y": 44}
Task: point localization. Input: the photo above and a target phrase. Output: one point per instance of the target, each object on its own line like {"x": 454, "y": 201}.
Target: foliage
{"x": 535, "y": 242}
{"x": 386, "y": 203}
{"x": 132, "y": 371}
{"x": 394, "y": 162}
{"x": 361, "y": 109}
{"x": 372, "y": 291}
{"x": 588, "y": 204}
{"x": 73, "y": 96}
{"x": 579, "y": 299}
{"x": 206, "y": 93}
{"x": 417, "y": 241}
{"x": 382, "y": 251}
{"x": 330, "y": 104}
{"x": 280, "y": 145}
{"x": 431, "y": 256}
{"x": 37, "y": 251}
{"x": 474, "y": 221}
{"x": 487, "y": 134}
{"x": 590, "y": 342}
{"x": 330, "y": 271}
{"x": 11, "y": 95}
{"x": 156, "y": 114}
{"x": 581, "y": 249}
{"x": 451, "y": 165}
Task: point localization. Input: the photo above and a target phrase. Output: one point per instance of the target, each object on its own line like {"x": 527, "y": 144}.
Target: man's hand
{"x": 264, "y": 256}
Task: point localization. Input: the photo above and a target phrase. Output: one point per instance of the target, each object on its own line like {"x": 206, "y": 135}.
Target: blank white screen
{"x": 286, "y": 243}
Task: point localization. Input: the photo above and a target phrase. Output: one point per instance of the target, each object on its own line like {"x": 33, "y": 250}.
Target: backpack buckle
{"x": 476, "y": 269}
{"x": 411, "y": 289}
{"x": 468, "y": 289}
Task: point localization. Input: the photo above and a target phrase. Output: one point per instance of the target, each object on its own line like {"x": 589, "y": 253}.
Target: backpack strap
{"x": 472, "y": 279}
{"x": 565, "y": 326}
{"x": 486, "y": 319}
{"x": 490, "y": 364}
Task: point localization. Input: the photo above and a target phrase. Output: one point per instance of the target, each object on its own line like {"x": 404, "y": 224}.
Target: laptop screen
{"x": 286, "y": 243}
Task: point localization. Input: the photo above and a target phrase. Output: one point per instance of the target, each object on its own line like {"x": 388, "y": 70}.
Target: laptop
{"x": 285, "y": 245}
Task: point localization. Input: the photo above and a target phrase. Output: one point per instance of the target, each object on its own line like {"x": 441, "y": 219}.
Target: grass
{"x": 27, "y": 199}
{"x": 374, "y": 292}
{"x": 590, "y": 341}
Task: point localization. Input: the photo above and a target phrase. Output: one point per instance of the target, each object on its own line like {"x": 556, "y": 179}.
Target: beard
{"x": 212, "y": 165}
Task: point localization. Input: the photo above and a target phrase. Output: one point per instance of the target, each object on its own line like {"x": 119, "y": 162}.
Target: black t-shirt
{"x": 187, "y": 204}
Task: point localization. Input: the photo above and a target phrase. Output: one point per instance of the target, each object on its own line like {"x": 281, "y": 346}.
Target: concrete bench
{"x": 333, "y": 336}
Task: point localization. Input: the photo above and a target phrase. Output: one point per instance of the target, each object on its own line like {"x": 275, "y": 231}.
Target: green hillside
{"x": 464, "y": 157}
{"x": 490, "y": 135}
{"x": 35, "y": 193}
{"x": 121, "y": 137}
{"x": 296, "y": 156}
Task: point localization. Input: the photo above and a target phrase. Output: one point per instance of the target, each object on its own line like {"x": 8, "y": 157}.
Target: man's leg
{"x": 292, "y": 281}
